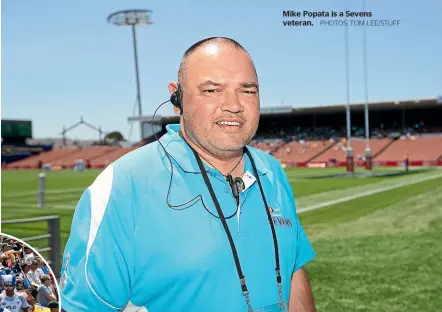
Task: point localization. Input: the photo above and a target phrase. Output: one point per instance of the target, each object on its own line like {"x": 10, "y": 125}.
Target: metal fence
{"x": 53, "y": 237}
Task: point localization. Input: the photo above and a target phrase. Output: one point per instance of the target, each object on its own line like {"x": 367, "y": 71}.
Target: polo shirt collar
{"x": 182, "y": 154}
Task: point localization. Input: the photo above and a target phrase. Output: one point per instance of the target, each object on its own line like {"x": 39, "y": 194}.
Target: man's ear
{"x": 173, "y": 86}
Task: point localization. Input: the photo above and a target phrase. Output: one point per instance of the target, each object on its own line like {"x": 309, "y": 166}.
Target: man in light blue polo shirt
{"x": 198, "y": 222}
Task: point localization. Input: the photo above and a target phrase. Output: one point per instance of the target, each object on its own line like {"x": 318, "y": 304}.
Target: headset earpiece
{"x": 176, "y": 99}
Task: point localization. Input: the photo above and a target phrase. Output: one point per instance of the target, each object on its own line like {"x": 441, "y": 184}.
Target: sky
{"x": 62, "y": 60}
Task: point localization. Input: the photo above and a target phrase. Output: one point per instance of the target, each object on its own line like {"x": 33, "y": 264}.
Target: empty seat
{"x": 338, "y": 152}
{"x": 417, "y": 149}
{"x": 301, "y": 151}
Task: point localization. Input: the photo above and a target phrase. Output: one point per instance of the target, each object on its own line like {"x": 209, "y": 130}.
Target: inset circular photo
{"x": 27, "y": 282}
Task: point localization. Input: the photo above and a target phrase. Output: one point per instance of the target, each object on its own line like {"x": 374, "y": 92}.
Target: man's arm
{"x": 98, "y": 258}
{"x": 24, "y": 304}
{"x": 301, "y": 297}
{"x": 47, "y": 294}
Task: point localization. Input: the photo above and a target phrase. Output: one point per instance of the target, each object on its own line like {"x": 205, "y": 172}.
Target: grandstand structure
{"x": 306, "y": 137}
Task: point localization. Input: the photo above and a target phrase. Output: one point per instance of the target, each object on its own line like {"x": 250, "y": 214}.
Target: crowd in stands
{"x": 297, "y": 133}
{"x": 25, "y": 280}
{"x": 288, "y": 142}
{"x": 292, "y": 133}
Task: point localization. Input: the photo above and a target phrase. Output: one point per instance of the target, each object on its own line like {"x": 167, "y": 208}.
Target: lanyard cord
{"x": 229, "y": 235}
{"x": 269, "y": 217}
{"x": 225, "y": 175}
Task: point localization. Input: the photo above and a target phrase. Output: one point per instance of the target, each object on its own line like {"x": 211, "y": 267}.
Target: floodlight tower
{"x": 133, "y": 18}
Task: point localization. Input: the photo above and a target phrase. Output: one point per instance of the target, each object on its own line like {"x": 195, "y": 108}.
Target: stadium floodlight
{"x": 133, "y": 18}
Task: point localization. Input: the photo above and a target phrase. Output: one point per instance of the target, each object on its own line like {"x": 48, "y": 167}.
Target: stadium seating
{"x": 64, "y": 157}
{"x": 45, "y": 157}
{"x": 87, "y": 154}
{"x": 418, "y": 149}
{"x": 301, "y": 151}
{"x": 426, "y": 150}
{"x": 338, "y": 151}
{"x": 104, "y": 160}
{"x": 268, "y": 146}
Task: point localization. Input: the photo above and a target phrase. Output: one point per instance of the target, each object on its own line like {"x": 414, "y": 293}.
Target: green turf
{"x": 383, "y": 258}
{"x": 380, "y": 252}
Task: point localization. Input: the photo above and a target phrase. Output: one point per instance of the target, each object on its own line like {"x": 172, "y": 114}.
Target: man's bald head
{"x": 220, "y": 101}
{"x": 218, "y": 41}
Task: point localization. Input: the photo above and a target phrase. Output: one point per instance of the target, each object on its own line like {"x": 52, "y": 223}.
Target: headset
{"x": 177, "y": 99}
{"x": 236, "y": 184}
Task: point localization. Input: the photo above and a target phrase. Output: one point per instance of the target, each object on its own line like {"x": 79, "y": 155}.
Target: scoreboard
{"x": 16, "y": 129}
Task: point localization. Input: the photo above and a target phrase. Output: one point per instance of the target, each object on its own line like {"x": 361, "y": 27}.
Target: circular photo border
{"x": 37, "y": 255}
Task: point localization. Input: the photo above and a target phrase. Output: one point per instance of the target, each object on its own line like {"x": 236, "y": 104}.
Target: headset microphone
{"x": 237, "y": 186}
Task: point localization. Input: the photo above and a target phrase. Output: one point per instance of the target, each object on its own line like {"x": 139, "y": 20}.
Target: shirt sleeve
{"x": 98, "y": 263}
{"x": 43, "y": 290}
{"x": 24, "y": 303}
{"x": 304, "y": 252}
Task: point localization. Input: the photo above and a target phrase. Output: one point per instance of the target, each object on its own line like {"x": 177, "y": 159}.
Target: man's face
{"x": 220, "y": 99}
{"x": 9, "y": 289}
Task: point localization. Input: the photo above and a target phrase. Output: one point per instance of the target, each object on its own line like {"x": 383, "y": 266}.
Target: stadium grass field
{"x": 378, "y": 240}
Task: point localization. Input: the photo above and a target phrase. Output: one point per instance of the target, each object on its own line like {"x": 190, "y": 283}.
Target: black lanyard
{"x": 229, "y": 235}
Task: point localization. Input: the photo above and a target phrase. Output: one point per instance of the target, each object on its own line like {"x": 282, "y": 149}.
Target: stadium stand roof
{"x": 290, "y": 110}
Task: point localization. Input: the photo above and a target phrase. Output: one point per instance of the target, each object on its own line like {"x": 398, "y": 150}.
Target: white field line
{"x": 51, "y": 198}
{"x": 367, "y": 193}
{"x": 48, "y": 192}
{"x": 47, "y": 206}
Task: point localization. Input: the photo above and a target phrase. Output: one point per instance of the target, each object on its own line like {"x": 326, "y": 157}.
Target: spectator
{"x": 32, "y": 275}
{"x": 53, "y": 306}
{"x": 10, "y": 298}
{"x": 24, "y": 276}
{"x": 45, "y": 294}
{"x": 39, "y": 272}
{"x": 28, "y": 255}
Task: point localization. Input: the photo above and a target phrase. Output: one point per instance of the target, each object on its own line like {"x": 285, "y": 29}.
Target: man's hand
{"x": 301, "y": 298}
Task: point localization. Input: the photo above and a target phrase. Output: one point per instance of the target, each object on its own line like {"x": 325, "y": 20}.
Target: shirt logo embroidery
{"x": 278, "y": 219}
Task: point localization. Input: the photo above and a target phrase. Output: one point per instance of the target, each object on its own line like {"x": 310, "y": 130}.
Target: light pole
{"x": 349, "y": 152}
{"x": 368, "y": 154}
{"x": 133, "y": 18}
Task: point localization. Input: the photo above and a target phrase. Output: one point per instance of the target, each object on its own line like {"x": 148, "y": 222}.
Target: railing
{"x": 53, "y": 236}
